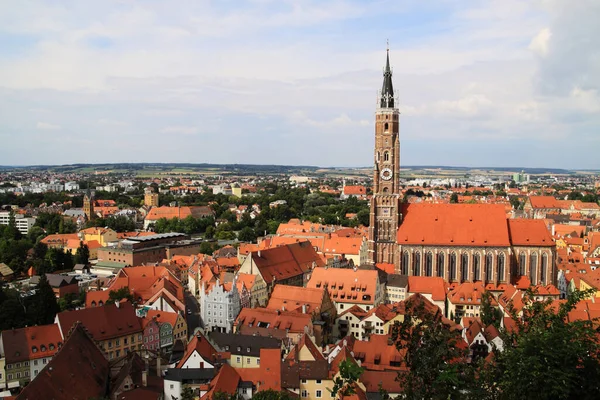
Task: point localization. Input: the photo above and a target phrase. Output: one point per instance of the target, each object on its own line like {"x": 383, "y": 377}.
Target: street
{"x": 193, "y": 319}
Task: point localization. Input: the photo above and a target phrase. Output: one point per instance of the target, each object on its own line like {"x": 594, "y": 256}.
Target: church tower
{"x": 88, "y": 204}
{"x": 385, "y": 203}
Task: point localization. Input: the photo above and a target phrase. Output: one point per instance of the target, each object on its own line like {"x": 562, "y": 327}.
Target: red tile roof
{"x": 346, "y": 285}
{"x": 544, "y": 202}
{"x": 226, "y": 381}
{"x": 285, "y": 262}
{"x": 199, "y": 344}
{"x": 78, "y": 371}
{"x": 454, "y": 225}
{"x": 292, "y": 298}
{"x": 31, "y": 343}
{"x": 435, "y": 286}
{"x": 103, "y": 323}
{"x": 282, "y": 320}
{"x": 529, "y": 232}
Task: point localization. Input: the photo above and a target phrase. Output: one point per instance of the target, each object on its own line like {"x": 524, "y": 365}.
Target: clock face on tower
{"x": 386, "y": 174}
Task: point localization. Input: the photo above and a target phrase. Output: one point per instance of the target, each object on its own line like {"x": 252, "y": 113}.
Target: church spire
{"x": 387, "y": 90}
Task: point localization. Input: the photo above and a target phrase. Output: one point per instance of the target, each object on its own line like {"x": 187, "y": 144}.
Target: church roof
{"x": 454, "y": 225}
{"x": 387, "y": 89}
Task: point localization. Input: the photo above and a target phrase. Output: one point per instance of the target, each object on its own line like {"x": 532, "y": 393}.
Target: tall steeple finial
{"x": 387, "y": 90}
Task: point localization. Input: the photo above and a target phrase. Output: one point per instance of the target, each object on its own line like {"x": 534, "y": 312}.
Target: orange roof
{"x": 467, "y": 293}
{"x": 226, "y": 381}
{"x": 60, "y": 239}
{"x": 124, "y": 235}
{"x": 529, "y": 232}
{"x": 31, "y": 343}
{"x": 355, "y": 190}
{"x": 202, "y": 346}
{"x": 292, "y": 298}
{"x": 268, "y": 375}
{"x": 275, "y": 319}
{"x": 163, "y": 316}
{"x": 376, "y": 353}
{"x": 167, "y": 212}
{"x": 95, "y": 298}
{"x": 544, "y": 202}
{"x": 346, "y": 285}
{"x": 454, "y": 225}
{"x": 435, "y": 286}
{"x": 342, "y": 245}
{"x": 564, "y": 230}
{"x": 386, "y": 267}
{"x": 96, "y": 231}
{"x": 285, "y": 262}
{"x": 92, "y": 244}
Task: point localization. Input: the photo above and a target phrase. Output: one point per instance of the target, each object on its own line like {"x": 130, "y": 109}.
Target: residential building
{"x": 61, "y": 284}
{"x": 167, "y": 212}
{"x": 26, "y": 351}
{"x": 150, "y": 198}
{"x": 432, "y": 288}
{"x": 116, "y": 327}
{"x": 244, "y": 350}
{"x": 396, "y": 288}
{"x": 465, "y": 300}
{"x": 199, "y": 354}
{"x": 23, "y": 223}
{"x": 103, "y": 236}
{"x": 349, "y": 287}
{"x": 286, "y": 325}
{"x": 220, "y": 304}
{"x": 172, "y": 326}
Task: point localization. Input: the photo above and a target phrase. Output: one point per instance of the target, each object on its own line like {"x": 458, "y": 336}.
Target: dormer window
{"x": 34, "y": 349}
{"x": 43, "y": 348}
{"x": 51, "y": 346}
{"x": 248, "y": 349}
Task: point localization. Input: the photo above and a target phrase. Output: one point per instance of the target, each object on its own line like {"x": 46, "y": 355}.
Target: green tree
{"x": 363, "y": 217}
{"x": 490, "y": 315}
{"x": 246, "y": 235}
{"x": 345, "y": 383}
{"x": 547, "y": 356}
{"x": 83, "y": 254}
{"x": 187, "y": 393}
{"x": 120, "y": 294}
{"x": 44, "y": 306}
{"x": 454, "y": 198}
{"x": 435, "y": 356}
{"x": 271, "y": 395}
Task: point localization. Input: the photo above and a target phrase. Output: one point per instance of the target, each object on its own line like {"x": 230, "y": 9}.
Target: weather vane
{"x": 387, "y": 44}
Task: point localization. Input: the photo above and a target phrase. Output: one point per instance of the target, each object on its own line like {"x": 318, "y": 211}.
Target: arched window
{"x": 489, "y": 276}
{"x": 440, "y": 265}
{"x": 417, "y": 265}
{"x": 378, "y": 155}
{"x": 386, "y": 156}
{"x": 386, "y": 127}
{"x": 544, "y": 269}
{"x": 429, "y": 264}
{"x": 405, "y": 263}
{"x": 522, "y": 264}
{"x": 533, "y": 265}
{"x": 464, "y": 267}
{"x": 476, "y": 268}
{"x": 452, "y": 264}
{"x": 500, "y": 259}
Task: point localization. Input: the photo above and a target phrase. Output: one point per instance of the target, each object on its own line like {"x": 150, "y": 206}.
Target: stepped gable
{"x": 78, "y": 371}
{"x": 454, "y": 225}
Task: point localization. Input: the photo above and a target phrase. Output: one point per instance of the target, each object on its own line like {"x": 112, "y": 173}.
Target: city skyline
{"x": 294, "y": 83}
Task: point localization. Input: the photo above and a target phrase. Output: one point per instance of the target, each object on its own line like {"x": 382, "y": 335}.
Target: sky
{"x": 294, "y": 82}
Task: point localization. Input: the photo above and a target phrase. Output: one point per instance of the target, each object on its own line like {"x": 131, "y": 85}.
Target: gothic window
{"x": 544, "y": 268}
{"x": 385, "y": 190}
{"x": 429, "y": 264}
{"x": 464, "y": 267}
{"x": 500, "y": 259}
{"x": 440, "y": 265}
{"x": 378, "y": 154}
{"x": 476, "y": 268}
{"x": 452, "y": 263}
{"x": 417, "y": 265}
{"x": 533, "y": 268}
{"x": 405, "y": 263}
{"x": 386, "y": 156}
{"x": 488, "y": 268}
{"x": 522, "y": 264}
{"x": 386, "y": 127}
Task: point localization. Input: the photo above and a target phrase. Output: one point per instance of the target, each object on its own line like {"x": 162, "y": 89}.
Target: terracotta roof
{"x": 78, "y": 371}
{"x": 202, "y": 346}
{"x": 435, "y": 286}
{"x": 544, "y": 202}
{"x": 377, "y": 353}
{"x": 374, "y": 379}
{"x": 529, "y": 232}
{"x": 268, "y": 375}
{"x": 282, "y": 320}
{"x": 103, "y": 323}
{"x": 226, "y": 381}
{"x": 31, "y": 343}
{"x": 60, "y": 239}
{"x": 355, "y": 190}
{"x": 146, "y": 282}
{"x": 467, "y": 293}
{"x": 346, "y": 285}
{"x": 285, "y": 262}
{"x": 292, "y": 298}
{"x": 163, "y": 316}
{"x": 167, "y": 212}
{"x": 454, "y": 225}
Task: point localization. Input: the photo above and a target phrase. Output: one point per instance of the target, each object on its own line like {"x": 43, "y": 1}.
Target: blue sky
{"x": 480, "y": 83}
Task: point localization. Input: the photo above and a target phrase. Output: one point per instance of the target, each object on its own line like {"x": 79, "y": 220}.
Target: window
{"x": 318, "y": 381}
{"x": 26, "y": 363}
{"x": 258, "y": 361}
{"x": 171, "y": 386}
{"x": 453, "y": 266}
{"x": 303, "y": 380}
{"x": 522, "y": 264}
{"x": 35, "y": 362}
{"x": 543, "y": 271}
{"x": 488, "y": 267}
{"x": 244, "y": 390}
{"x": 318, "y": 393}
{"x": 44, "y": 361}
{"x": 9, "y": 377}
{"x": 464, "y": 264}
{"x": 239, "y": 359}
{"x": 417, "y": 265}
{"x": 386, "y": 127}
{"x": 404, "y": 263}
{"x": 476, "y": 268}
{"x": 304, "y": 393}
{"x": 386, "y": 156}
{"x": 429, "y": 264}
{"x": 440, "y": 265}
{"x": 500, "y": 259}
{"x": 533, "y": 261}
{"x": 18, "y": 375}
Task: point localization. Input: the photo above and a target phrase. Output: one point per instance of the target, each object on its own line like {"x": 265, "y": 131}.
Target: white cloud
{"x": 539, "y": 44}
{"x": 47, "y": 126}
{"x": 181, "y": 130}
